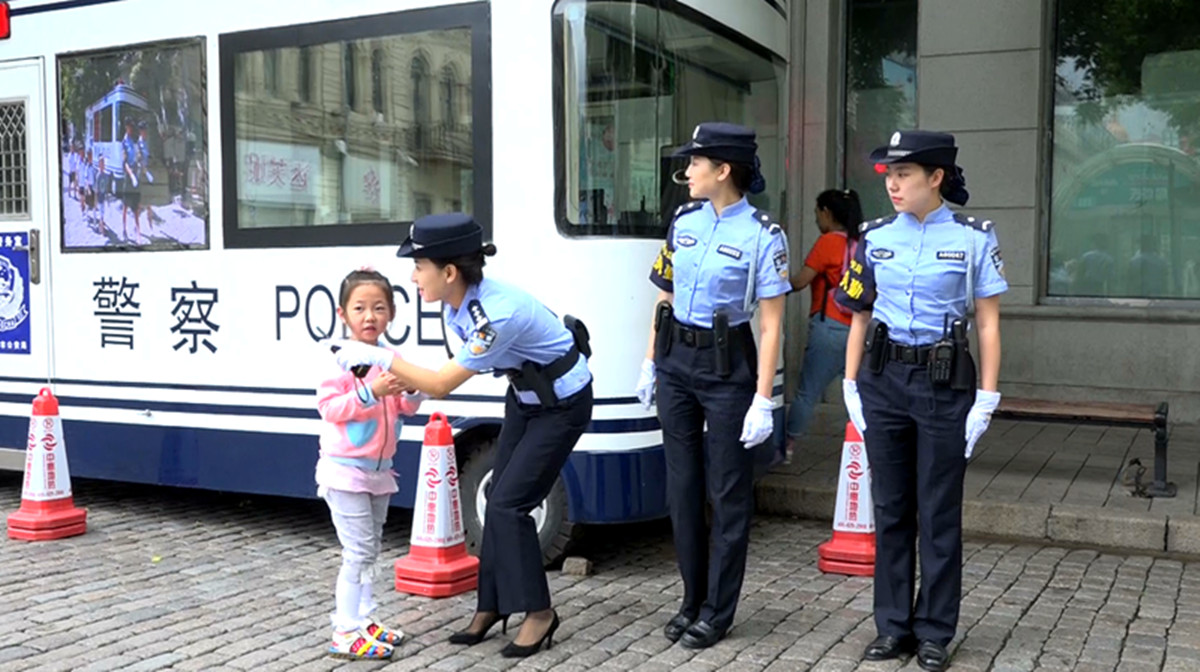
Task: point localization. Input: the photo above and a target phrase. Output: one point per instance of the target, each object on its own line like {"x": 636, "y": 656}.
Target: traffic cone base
{"x": 852, "y": 549}
{"x": 48, "y": 509}
{"x": 437, "y": 564}
{"x": 847, "y": 568}
{"x": 430, "y": 589}
{"x": 849, "y": 547}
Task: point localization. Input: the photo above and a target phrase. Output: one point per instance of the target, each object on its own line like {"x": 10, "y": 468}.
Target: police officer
{"x": 721, "y": 258}
{"x": 910, "y": 383}
{"x": 548, "y": 406}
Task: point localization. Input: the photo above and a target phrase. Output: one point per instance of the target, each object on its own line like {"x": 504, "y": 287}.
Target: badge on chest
{"x": 952, "y": 255}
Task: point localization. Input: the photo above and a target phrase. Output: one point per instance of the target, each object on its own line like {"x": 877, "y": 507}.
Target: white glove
{"x": 759, "y": 422}
{"x": 645, "y": 384}
{"x": 416, "y": 397}
{"x": 354, "y": 353}
{"x": 854, "y": 405}
{"x": 979, "y": 417}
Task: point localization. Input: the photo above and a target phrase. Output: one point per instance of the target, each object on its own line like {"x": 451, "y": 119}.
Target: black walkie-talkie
{"x": 359, "y": 371}
{"x": 941, "y": 357}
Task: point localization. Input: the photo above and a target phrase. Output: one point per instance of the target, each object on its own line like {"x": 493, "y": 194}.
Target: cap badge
{"x": 896, "y": 139}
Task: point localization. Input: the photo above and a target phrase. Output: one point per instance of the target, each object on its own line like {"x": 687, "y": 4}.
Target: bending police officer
{"x": 910, "y": 384}
{"x": 721, "y": 258}
{"x": 547, "y": 408}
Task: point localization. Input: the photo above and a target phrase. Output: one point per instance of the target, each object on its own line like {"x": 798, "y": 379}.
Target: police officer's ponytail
{"x": 954, "y": 183}
{"x": 954, "y": 186}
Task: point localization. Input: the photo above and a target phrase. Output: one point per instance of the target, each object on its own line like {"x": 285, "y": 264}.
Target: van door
{"x": 25, "y": 348}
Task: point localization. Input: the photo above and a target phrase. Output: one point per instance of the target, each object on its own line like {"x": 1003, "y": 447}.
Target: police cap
{"x": 722, "y": 141}
{"x": 929, "y": 148}
{"x": 442, "y": 236}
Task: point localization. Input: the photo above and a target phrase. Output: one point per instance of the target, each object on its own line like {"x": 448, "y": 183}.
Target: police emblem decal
{"x": 952, "y": 255}
{"x": 684, "y": 240}
{"x": 13, "y": 309}
{"x": 881, "y": 253}
{"x": 729, "y": 251}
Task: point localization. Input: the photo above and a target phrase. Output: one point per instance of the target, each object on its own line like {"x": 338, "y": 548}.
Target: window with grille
{"x": 14, "y": 162}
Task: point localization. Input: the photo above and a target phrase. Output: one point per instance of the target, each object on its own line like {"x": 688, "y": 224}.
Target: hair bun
{"x": 488, "y": 249}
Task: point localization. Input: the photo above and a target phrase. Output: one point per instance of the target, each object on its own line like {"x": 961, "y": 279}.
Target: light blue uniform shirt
{"x": 707, "y": 262}
{"x": 503, "y": 326}
{"x": 912, "y": 274}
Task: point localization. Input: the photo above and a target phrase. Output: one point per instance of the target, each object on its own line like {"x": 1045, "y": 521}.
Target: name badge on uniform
{"x": 685, "y": 240}
{"x": 881, "y": 253}
{"x": 729, "y": 251}
{"x": 952, "y": 255}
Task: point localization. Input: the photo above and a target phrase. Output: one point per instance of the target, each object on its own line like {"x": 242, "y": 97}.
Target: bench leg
{"x": 1160, "y": 487}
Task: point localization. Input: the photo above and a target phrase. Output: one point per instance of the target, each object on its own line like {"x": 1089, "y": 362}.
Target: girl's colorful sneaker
{"x": 358, "y": 644}
{"x": 382, "y": 634}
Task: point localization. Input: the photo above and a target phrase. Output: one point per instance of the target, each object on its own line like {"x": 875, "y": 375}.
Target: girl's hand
{"x": 386, "y": 385}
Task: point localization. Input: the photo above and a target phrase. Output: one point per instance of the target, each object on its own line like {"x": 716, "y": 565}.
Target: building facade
{"x": 1079, "y": 128}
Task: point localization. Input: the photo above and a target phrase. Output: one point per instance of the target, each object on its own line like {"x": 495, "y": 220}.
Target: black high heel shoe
{"x": 514, "y": 650}
{"x": 472, "y": 638}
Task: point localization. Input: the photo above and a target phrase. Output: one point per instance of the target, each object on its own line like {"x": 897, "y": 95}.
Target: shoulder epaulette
{"x": 767, "y": 222}
{"x": 984, "y": 225}
{"x": 687, "y": 207}
{"x": 871, "y": 224}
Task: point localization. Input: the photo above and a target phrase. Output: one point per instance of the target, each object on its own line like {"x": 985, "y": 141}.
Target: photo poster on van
{"x": 133, "y": 147}
{"x": 14, "y": 294}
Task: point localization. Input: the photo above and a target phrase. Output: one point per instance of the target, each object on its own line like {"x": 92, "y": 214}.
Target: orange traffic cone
{"x": 437, "y": 564}
{"x": 47, "y": 508}
{"x": 852, "y": 549}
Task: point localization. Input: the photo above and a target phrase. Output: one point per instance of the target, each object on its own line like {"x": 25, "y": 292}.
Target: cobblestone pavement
{"x": 176, "y": 579}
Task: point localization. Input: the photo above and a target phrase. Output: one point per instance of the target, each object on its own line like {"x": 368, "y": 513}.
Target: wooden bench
{"x": 1147, "y": 416}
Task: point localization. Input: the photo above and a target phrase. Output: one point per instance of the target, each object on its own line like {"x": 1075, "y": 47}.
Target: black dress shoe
{"x": 887, "y": 648}
{"x": 676, "y": 627}
{"x": 701, "y": 635}
{"x": 932, "y": 656}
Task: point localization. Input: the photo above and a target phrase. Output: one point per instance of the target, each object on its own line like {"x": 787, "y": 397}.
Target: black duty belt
{"x": 699, "y": 337}
{"x": 909, "y": 354}
{"x": 550, "y": 372}
{"x": 694, "y": 337}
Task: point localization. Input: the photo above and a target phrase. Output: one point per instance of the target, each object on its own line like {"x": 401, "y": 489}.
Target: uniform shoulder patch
{"x": 872, "y": 224}
{"x": 478, "y": 316}
{"x": 767, "y": 221}
{"x": 688, "y": 207}
{"x": 976, "y": 223}
{"x": 484, "y": 335}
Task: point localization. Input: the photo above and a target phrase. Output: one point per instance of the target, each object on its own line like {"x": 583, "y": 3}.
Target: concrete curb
{"x": 780, "y": 494}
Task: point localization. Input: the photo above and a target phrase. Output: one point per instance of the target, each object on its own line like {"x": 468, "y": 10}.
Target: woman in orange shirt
{"x": 838, "y": 216}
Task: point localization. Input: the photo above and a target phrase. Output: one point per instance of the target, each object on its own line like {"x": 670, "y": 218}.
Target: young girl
{"x": 354, "y": 471}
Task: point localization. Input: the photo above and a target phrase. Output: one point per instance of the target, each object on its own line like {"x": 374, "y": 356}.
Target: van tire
{"x": 556, "y": 534}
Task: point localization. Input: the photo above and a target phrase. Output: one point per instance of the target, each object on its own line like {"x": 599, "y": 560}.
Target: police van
{"x": 179, "y": 310}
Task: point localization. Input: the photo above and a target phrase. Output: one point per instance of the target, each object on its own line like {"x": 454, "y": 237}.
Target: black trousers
{"x": 915, "y": 442}
{"x": 533, "y": 446}
{"x": 712, "y": 563}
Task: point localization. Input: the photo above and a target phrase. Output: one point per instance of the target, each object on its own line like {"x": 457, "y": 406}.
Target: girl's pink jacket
{"x": 359, "y": 436}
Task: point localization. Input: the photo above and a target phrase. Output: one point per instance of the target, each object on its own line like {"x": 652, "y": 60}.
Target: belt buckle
{"x": 908, "y": 355}
{"x": 688, "y": 337}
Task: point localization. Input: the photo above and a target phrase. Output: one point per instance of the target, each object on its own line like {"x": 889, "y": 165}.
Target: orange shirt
{"x": 826, "y": 258}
